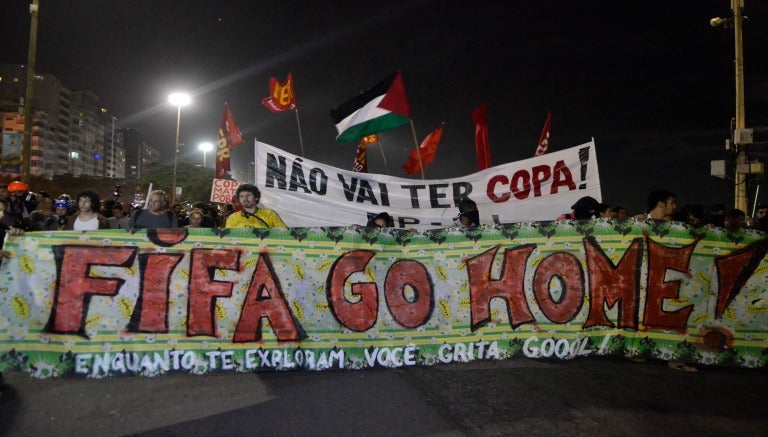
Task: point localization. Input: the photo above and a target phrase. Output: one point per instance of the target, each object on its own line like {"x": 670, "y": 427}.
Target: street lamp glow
{"x": 205, "y": 147}
{"x": 178, "y": 100}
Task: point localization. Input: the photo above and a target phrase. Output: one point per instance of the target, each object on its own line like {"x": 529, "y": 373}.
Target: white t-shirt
{"x": 89, "y": 225}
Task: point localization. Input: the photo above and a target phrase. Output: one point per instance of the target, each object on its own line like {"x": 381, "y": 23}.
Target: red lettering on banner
{"x": 356, "y": 316}
{"x": 523, "y": 182}
{"x": 75, "y": 286}
{"x": 204, "y": 289}
{"x": 265, "y": 299}
{"x": 541, "y": 173}
{"x": 567, "y": 269}
{"x": 491, "y": 189}
{"x": 733, "y": 271}
{"x": 510, "y": 287}
{"x": 521, "y": 192}
{"x": 151, "y": 311}
{"x": 562, "y": 177}
{"x": 660, "y": 259}
{"x": 609, "y": 284}
{"x": 407, "y": 273}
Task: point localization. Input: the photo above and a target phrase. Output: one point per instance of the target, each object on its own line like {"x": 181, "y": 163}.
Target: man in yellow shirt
{"x": 252, "y": 216}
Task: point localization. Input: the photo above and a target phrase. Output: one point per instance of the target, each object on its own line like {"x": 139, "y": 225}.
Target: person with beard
{"x": 251, "y": 215}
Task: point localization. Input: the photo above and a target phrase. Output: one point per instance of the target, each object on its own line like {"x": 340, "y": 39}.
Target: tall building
{"x": 138, "y": 154}
{"x": 114, "y": 150}
{"x": 71, "y": 132}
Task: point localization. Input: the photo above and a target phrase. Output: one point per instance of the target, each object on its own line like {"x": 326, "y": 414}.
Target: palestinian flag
{"x": 382, "y": 107}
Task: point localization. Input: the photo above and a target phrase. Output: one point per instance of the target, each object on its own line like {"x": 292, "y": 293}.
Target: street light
{"x": 205, "y": 148}
{"x": 178, "y": 100}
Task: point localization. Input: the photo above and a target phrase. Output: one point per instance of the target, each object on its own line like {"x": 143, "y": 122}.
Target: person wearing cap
{"x": 251, "y": 216}
{"x": 586, "y": 208}
{"x": 61, "y": 209}
{"x": 20, "y": 204}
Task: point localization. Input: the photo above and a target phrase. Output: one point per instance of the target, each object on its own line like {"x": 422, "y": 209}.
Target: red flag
{"x": 426, "y": 150}
{"x": 229, "y": 136}
{"x": 281, "y": 95}
{"x": 544, "y": 139}
{"x": 361, "y": 158}
{"x": 482, "y": 149}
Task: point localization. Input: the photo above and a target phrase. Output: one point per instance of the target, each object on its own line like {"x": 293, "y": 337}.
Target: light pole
{"x": 178, "y": 100}
{"x": 29, "y": 93}
{"x": 742, "y": 165}
{"x": 205, "y": 148}
{"x": 112, "y": 151}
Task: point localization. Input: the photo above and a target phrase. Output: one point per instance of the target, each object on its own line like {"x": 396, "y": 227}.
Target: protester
{"x": 210, "y": 218}
{"x": 381, "y": 220}
{"x": 251, "y": 215}
{"x": 43, "y": 218}
{"x": 19, "y": 205}
{"x": 469, "y": 216}
{"x": 156, "y": 214}
{"x": 87, "y": 217}
{"x": 604, "y": 210}
{"x": 195, "y": 218}
{"x": 61, "y": 209}
{"x": 119, "y": 220}
{"x": 5, "y": 228}
{"x": 619, "y": 212}
{"x": 760, "y": 220}
{"x": 661, "y": 205}
{"x": 690, "y": 214}
{"x": 716, "y": 216}
{"x": 585, "y": 208}
{"x": 181, "y": 213}
{"x": 735, "y": 219}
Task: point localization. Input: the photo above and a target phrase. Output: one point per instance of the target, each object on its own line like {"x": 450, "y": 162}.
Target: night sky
{"x": 651, "y": 81}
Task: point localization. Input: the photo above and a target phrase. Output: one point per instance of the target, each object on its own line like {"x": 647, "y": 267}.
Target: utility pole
{"x": 29, "y": 95}
{"x": 740, "y": 183}
{"x": 740, "y": 189}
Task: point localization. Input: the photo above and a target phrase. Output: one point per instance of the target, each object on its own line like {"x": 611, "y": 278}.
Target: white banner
{"x": 308, "y": 193}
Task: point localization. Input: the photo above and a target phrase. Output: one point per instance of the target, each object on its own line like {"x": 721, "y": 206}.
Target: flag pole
{"x": 298, "y": 124}
{"x": 418, "y": 152}
{"x": 381, "y": 147}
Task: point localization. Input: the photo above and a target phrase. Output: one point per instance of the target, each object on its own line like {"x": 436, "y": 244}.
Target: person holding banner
{"x": 5, "y": 228}
{"x": 252, "y": 216}
{"x": 87, "y": 216}
{"x": 156, "y": 215}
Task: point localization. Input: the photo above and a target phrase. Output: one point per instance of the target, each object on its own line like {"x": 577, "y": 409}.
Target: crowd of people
{"x": 22, "y": 209}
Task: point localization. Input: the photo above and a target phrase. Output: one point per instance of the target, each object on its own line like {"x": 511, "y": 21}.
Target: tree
{"x": 194, "y": 180}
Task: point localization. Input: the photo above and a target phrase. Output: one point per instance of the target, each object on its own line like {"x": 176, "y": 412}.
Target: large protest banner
{"x": 308, "y": 193}
{"x": 101, "y": 303}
